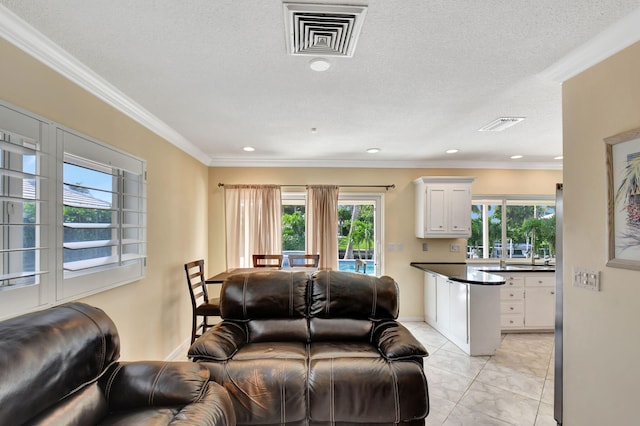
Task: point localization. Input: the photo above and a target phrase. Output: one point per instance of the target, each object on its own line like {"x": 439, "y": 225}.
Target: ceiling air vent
{"x": 322, "y": 30}
{"x": 499, "y": 124}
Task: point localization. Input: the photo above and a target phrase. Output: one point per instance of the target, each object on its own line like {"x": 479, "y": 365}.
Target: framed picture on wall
{"x": 623, "y": 181}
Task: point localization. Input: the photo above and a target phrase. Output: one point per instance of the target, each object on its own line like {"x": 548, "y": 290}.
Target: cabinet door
{"x": 460, "y": 212}
{"x": 442, "y": 297}
{"x": 436, "y": 210}
{"x": 430, "y": 298}
{"x": 458, "y": 311}
{"x": 539, "y": 311}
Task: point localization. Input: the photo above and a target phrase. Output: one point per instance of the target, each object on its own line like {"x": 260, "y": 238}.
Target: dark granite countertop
{"x": 460, "y": 272}
{"x": 478, "y": 273}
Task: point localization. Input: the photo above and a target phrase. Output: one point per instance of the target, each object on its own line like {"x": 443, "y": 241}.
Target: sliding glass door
{"x": 359, "y": 230}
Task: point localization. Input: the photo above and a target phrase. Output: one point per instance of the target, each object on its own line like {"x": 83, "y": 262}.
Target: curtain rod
{"x": 386, "y": 187}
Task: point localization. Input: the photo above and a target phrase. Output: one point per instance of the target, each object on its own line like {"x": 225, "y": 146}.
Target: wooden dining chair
{"x": 203, "y": 306}
{"x": 304, "y": 260}
{"x": 267, "y": 260}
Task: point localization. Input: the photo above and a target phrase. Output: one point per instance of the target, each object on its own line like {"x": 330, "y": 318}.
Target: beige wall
{"x": 398, "y": 214}
{"x": 185, "y": 207}
{"x": 601, "y": 330}
{"x": 152, "y": 315}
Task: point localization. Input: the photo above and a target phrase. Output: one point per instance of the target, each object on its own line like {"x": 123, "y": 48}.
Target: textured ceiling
{"x": 425, "y": 76}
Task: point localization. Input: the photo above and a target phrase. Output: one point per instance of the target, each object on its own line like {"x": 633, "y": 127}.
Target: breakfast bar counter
{"x": 463, "y": 304}
{"x": 460, "y": 272}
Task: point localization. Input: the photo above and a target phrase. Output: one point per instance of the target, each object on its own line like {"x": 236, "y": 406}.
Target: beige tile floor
{"x": 512, "y": 387}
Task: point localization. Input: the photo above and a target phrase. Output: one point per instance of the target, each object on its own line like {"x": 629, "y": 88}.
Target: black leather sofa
{"x": 59, "y": 367}
{"x": 315, "y": 349}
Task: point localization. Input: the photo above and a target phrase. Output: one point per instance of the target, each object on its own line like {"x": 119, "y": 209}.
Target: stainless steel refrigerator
{"x": 557, "y": 391}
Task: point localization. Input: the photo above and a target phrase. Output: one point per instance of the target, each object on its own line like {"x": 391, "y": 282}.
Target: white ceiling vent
{"x": 322, "y": 30}
{"x": 499, "y": 124}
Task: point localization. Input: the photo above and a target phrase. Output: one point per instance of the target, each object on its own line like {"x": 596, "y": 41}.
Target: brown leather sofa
{"x": 59, "y": 367}
{"x": 315, "y": 349}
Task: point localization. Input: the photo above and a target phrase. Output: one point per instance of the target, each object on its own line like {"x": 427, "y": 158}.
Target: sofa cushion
{"x": 339, "y": 329}
{"x": 278, "y": 330}
{"x": 290, "y": 350}
{"x": 264, "y": 295}
{"x": 370, "y": 390}
{"x": 337, "y": 294}
{"x": 63, "y": 351}
{"x": 327, "y": 350}
{"x": 264, "y": 391}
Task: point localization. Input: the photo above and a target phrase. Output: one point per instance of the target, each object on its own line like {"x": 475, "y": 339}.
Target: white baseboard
{"x": 180, "y": 353}
{"x": 411, "y": 319}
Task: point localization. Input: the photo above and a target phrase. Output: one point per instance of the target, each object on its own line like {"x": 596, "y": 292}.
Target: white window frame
{"x": 504, "y": 201}
{"x": 93, "y": 280}
{"x": 51, "y": 286}
{"x": 358, "y": 197}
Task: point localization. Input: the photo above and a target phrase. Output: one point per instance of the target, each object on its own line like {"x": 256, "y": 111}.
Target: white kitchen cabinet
{"x": 443, "y": 206}
{"x": 459, "y": 312}
{"x": 442, "y": 301}
{"x": 527, "y": 301}
{"x": 466, "y": 314}
{"x": 540, "y": 296}
{"x": 430, "y": 305}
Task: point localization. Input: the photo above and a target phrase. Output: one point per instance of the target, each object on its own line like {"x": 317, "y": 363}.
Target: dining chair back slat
{"x": 267, "y": 260}
{"x": 203, "y": 307}
{"x": 304, "y": 260}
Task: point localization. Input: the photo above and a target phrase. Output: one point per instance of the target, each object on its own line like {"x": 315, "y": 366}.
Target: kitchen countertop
{"x": 512, "y": 267}
{"x": 460, "y": 272}
{"x": 478, "y": 273}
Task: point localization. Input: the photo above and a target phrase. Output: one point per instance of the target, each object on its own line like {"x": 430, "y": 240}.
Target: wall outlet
{"x": 455, "y": 248}
{"x": 584, "y": 278}
{"x": 425, "y": 247}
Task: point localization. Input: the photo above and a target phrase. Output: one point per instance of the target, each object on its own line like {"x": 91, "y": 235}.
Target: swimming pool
{"x": 348, "y": 265}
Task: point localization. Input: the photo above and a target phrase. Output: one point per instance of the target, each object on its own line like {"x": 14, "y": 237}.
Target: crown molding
{"x": 26, "y": 38}
{"x": 512, "y": 165}
{"x": 620, "y": 35}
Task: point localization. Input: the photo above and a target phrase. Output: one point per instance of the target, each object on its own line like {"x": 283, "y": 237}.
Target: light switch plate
{"x": 585, "y": 278}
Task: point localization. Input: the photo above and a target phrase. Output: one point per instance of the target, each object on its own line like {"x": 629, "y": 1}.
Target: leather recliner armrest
{"x": 129, "y": 385}
{"x": 395, "y": 342}
{"x": 219, "y": 343}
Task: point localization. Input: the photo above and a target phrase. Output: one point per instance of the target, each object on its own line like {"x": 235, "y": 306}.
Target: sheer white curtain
{"x": 253, "y": 222}
{"x": 322, "y": 224}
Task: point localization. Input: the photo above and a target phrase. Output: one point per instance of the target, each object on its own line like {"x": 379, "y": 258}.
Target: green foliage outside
{"x": 524, "y": 224}
{"x": 355, "y": 229}
{"x": 293, "y": 227}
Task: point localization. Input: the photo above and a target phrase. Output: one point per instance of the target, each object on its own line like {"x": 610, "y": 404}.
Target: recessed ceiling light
{"x": 248, "y": 149}
{"x": 499, "y": 124}
{"x": 516, "y": 157}
{"x": 451, "y": 151}
{"x": 373, "y": 150}
{"x": 319, "y": 64}
{"x": 559, "y": 157}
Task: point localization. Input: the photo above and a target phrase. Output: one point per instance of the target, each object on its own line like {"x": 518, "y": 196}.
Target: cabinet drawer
{"x": 540, "y": 281}
{"x": 513, "y": 281}
{"x": 512, "y": 307}
{"x": 512, "y": 321}
{"x": 511, "y": 293}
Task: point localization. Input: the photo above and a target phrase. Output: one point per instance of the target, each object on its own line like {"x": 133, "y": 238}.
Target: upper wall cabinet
{"x": 443, "y": 206}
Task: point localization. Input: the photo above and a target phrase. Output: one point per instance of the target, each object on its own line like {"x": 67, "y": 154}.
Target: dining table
{"x": 220, "y": 277}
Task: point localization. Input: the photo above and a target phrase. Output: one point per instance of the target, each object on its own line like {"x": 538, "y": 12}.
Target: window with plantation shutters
{"x": 24, "y": 209}
{"x": 72, "y": 214}
{"x": 103, "y": 215}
